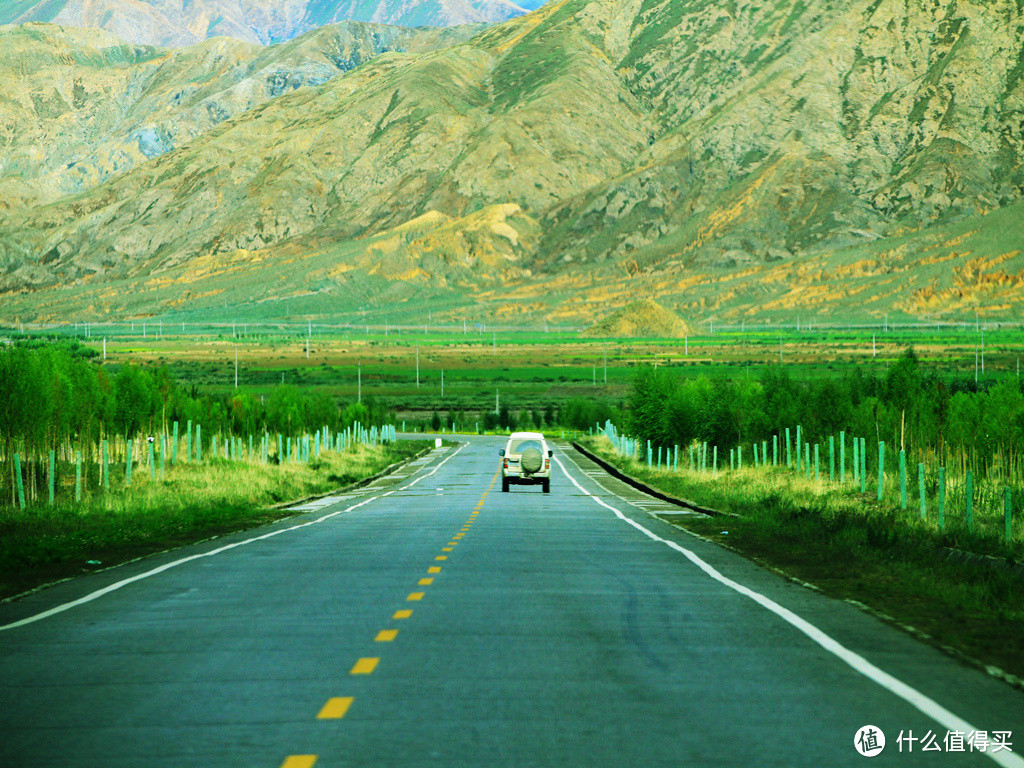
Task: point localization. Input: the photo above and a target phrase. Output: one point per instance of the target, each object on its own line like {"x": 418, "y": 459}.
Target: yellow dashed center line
{"x": 434, "y": 569}
{"x": 415, "y": 596}
{"x": 365, "y": 666}
{"x": 447, "y": 549}
{"x": 386, "y": 635}
{"x": 403, "y": 614}
{"x": 425, "y": 582}
{"x": 336, "y": 708}
{"x": 299, "y": 761}
{"x": 441, "y": 557}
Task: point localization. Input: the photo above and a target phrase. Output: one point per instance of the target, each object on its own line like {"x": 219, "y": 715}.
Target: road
{"x": 431, "y": 620}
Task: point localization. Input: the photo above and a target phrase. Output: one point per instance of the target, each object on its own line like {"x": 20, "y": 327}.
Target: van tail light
{"x": 547, "y": 464}
{"x": 505, "y": 465}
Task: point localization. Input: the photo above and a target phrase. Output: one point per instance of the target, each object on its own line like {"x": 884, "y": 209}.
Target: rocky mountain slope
{"x": 186, "y": 22}
{"x": 594, "y": 148}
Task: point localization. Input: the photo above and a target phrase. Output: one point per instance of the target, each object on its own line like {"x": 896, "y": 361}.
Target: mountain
{"x": 186, "y": 22}
{"x": 731, "y": 160}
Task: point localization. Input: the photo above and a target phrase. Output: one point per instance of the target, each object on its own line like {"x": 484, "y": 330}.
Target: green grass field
{"x": 526, "y": 368}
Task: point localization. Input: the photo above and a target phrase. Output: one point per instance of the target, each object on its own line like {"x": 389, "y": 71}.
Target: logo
{"x": 869, "y": 740}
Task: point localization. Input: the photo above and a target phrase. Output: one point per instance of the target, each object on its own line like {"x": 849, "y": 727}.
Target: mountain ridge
{"x": 164, "y": 23}
{"x": 671, "y": 145}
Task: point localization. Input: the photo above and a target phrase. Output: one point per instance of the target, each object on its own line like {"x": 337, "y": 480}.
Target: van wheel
{"x": 504, "y": 486}
{"x": 547, "y": 486}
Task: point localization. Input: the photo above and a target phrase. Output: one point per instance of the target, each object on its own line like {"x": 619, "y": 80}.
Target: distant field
{"x": 525, "y": 368}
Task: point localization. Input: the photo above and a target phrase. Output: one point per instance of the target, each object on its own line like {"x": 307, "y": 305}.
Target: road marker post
{"x": 942, "y": 498}
{"x": 903, "y": 479}
{"x": 163, "y": 454}
{"x": 20, "y": 481}
{"x": 969, "y": 499}
{"x": 106, "y": 466}
{"x": 842, "y": 457}
{"x": 188, "y": 443}
{"x": 799, "y": 448}
{"x": 863, "y": 465}
{"x": 920, "y": 491}
{"x": 881, "y": 470}
{"x": 174, "y": 445}
{"x": 856, "y": 461}
{"x": 775, "y": 450}
{"x": 1007, "y": 515}
{"x": 789, "y": 455}
{"x": 199, "y": 443}
{"x": 831, "y": 458}
{"x": 817, "y": 474}
{"x": 51, "y": 480}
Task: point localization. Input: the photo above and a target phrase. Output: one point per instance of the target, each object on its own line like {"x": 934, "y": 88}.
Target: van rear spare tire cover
{"x": 531, "y": 460}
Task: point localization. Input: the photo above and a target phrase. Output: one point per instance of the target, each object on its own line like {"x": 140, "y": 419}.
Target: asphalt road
{"x": 431, "y": 620}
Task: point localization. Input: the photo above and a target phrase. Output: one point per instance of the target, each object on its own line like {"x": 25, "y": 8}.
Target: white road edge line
{"x": 167, "y": 566}
{"x": 912, "y": 696}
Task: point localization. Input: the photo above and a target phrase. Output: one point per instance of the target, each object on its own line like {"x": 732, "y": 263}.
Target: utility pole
{"x": 236, "y": 366}
{"x": 497, "y": 409}
{"x": 442, "y": 383}
{"x": 359, "y": 390}
{"x": 105, "y": 356}
{"x": 417, "y": 365}
{"x": 606, "y": 366}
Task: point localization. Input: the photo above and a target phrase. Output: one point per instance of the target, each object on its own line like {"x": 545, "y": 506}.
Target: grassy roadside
{"x": 192, "y": 503}
{"x": 851, "y": 548}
